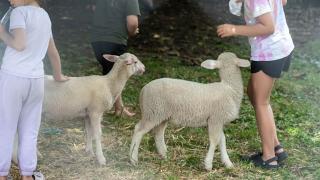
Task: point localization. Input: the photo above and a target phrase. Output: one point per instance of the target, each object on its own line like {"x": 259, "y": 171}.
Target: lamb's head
{"x": 225, "y": 60}
{"x": 127, "y": 61}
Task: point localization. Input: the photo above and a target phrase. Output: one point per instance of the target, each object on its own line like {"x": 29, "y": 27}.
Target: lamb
{"x": 192, "y": 104}
{"x": 90, "y": 97}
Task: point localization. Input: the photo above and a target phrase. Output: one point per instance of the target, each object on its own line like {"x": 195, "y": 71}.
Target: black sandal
{"x": 282, "y": 155}
{"x": 259, "y": 162}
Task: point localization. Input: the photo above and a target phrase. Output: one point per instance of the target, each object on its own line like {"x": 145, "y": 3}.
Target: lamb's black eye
{"x": 136, "y": 62}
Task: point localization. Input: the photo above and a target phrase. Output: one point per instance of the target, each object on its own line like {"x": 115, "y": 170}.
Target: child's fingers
{"x": 62, "y": 78}
{"x": 220, "y": 34}
{"x": 220, "y": 31}
{"x": 65, "y": 78}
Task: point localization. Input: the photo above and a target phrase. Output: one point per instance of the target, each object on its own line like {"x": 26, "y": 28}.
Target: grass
{"x": 295, "y": 103}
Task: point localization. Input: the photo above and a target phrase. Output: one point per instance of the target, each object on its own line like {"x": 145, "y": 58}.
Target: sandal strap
{"x": 271, "y": 160}
{"x": 278, "y": 147}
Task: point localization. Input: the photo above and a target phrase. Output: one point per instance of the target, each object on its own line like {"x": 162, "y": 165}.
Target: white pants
{"x": 20, "y": 110}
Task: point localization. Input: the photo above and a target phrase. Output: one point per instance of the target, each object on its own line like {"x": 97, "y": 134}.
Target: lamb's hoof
{"x": 208, "y": 166}
{"x": 102, "y": 161}
{"x": 90, "y": 152}
{"x": 134, "y": 162}
{"x": 163, "y": 156}
{"x": 39, "y": 154}
{"x": 229, "y": 165}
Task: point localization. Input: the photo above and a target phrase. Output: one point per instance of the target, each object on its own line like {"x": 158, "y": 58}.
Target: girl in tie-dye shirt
{"x": 271, "y": 49}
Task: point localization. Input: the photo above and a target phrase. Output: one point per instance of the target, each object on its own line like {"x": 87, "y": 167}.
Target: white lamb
{"x": 90, "y": 97}
{"x": 192, "y": 104}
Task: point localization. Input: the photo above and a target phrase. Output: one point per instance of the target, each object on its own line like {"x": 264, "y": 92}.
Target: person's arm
{"x": 55, "y": 61}
{"x": 132, "y": 25}
{"x": 284, "y": 2}
{"x": 16, "y": 39}
{"x": 265, "y": 26}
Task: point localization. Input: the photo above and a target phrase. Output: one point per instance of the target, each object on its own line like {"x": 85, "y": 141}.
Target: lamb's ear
{"x": 243, "y": 63}
{"x": 111, "y": 58}
{"x": 210, "y": 64}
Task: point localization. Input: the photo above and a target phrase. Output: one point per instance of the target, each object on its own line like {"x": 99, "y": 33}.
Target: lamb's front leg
{"x": 224, "y": 154}
{"x": 89, "y": 134}
{"x": 214, "y": 138}
{"x": 95, "y": 120}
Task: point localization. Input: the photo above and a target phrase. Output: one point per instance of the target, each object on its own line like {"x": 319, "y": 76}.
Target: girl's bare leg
{"x": 259, "y": 91}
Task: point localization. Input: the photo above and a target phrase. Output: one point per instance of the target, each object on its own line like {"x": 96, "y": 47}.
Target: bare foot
{"x": 119, "y": 112}
{"x": 128, "y": 113}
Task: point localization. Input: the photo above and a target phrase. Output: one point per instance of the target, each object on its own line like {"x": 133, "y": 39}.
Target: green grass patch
{"x": 295, "y": 102}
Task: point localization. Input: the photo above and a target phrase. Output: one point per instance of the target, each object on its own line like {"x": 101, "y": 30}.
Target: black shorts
{"x": 274, "y": 68}
{"x": 102, "y": 47}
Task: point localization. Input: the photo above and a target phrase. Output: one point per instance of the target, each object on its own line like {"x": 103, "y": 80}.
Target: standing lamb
{"x": 90, "y": 97}
{"x": 192, "y": 104}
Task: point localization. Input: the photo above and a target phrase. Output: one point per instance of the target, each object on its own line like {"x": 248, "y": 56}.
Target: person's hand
{"x": 226, "y": 30}
{"x": 61, "y": 78}
{"x": 239, "y": 1}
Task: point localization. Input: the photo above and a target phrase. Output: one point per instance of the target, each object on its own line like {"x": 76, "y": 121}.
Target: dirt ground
{"x": 63, "y": 157}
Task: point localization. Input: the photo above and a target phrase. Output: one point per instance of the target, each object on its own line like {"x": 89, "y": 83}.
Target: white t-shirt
{"x": 37, "y": 24}
{"x": 275, "y": 46}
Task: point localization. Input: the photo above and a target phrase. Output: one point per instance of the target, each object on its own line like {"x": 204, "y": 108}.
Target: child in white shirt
{"x": 22, "y": 83}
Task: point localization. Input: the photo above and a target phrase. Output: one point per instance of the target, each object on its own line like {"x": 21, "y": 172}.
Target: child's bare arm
{"x": 15, "y": 40}
{"x": 55, "y": 61}
{"x": 132, "y": 25}
{"x": 265, "y": 26}
{"x": 284, "y": 2}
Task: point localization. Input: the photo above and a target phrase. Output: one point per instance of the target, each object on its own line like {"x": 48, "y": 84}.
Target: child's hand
{"x": 61, "y": 78}
{"x": 226, "y": 30}
{"x": 239, "y": 1}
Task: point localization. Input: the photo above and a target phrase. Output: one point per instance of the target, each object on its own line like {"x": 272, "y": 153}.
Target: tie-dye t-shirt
{"x": 275, "y": 46}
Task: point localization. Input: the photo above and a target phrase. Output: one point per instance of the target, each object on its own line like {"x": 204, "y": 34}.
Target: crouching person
{"x": 113, "y": 23}
{"x": 22, "y": 84}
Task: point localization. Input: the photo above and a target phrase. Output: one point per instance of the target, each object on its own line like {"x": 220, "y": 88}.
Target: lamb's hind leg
{"x": 224, "y": 154}
{"x": 143, "y": 127}
{"x": 214, "y": 138}
{"x": 159, "y": 139}
{"x": 88, "y": 128}
{"x": 95, "y": 121}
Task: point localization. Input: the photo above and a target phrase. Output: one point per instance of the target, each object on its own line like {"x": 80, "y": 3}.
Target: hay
{"x": 62, "y": 146}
